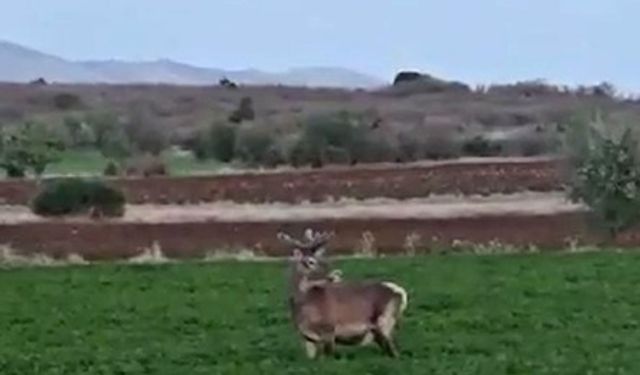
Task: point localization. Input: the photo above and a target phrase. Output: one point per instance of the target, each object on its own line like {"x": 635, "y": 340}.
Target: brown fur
{"x": 329, "y": 312}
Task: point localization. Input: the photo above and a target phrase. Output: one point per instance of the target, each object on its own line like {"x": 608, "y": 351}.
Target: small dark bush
{"x": 39, "y": 82}
{"x": 326, "y": 139}
{"x": 408, "y": 148}
{"x": 226, "y": 82}
{"x": 244, "y": 112}
{"x": 408, "y": 83}
{"x": 146, "y": 166}
{"x": 481, "y": 146}
{"x": 66, "y": 101}
{"x": 221, "y": 142}
{"x": 111, "y": 169}
{"x": 75, "y": 196}
{"x": 439, "y": 147}
{"x": 255, "y": 146}
{"x": 146, "y": 135}
{"x": 536, "y": 146}
{"x": 406, "y": 77}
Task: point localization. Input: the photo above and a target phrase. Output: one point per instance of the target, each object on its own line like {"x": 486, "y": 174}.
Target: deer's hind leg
{"x": 383, "y": 331}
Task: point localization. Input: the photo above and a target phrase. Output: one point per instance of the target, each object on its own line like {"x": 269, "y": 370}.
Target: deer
{"x": 327, "y": 310}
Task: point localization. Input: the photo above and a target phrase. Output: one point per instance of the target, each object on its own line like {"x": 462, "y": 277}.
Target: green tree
{"x": 605, "y": 174}
{"x": 145, "y": 134}
{"x": 31, "y": 146}
{"x": 222, "y": 142}
{"x": 334, "y": 138}
{"x": 256, "y": 146}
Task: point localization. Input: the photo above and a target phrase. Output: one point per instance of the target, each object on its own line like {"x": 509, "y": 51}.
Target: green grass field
{"x": 539, "y": 314}
{"x": 91, "y": 162}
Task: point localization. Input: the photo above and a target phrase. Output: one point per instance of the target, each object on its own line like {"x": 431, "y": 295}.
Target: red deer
{"x": 328, "y": 311}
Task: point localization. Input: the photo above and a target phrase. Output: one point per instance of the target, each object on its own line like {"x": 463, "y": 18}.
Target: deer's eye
{"x": 311, "y": 263}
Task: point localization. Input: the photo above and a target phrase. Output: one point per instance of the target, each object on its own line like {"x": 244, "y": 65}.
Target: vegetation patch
{"x": 70, "y": 196}
{"x": 534, "y": 314}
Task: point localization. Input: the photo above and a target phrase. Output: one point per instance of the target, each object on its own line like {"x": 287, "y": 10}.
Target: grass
{"x": 91, "y": 162}
{"x": 542, "y": 314}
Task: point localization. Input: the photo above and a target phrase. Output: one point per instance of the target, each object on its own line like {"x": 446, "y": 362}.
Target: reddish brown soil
{"x": 182, "y": 240}
{"x": 400, "y": 182}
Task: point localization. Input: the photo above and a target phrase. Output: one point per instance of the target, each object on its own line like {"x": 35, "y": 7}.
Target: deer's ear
{"x": 297, "y": 254}
{"x": 319, "y": 252}
{"x": 335, "y": 276}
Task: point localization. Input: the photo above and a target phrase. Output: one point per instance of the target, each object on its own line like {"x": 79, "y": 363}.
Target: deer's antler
{"x": 290, "y": 240}
{"x": 311, "y": 240}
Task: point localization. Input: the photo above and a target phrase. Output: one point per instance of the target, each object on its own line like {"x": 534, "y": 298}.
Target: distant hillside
{"x": 21, "y": 64}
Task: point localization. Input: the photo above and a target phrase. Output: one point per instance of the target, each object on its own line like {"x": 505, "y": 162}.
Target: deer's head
{"x": 308, "y": 253}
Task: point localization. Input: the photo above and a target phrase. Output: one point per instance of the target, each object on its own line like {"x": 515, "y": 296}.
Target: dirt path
{"x": 434, "y": 207}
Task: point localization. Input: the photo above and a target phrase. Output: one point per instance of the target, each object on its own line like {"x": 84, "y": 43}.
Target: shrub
{"x": 80, "y": 134}
{"x": 146, "y": 166}
{"x": 481, "y": 146}
{"x": 145, "y": 135}
{"x": 71, "y": 196}
{"x": 605, "y": 176}
{"x": 112, "y": 169}
{"x": 116, "y": 146}
{"x": 255, "y": 146}
{"x": 218, "y": 141}
{"x": 66, "y": 101}
{"x": 244, "y": 112}
{"x": 103, "y": 125}
{"x": 227, "y": 83}
{"x": 340, "y": 137}
{"x": 441, "y": 146}
{"x": 408, "y": 83}
{"x": 409, "y": 148}
{"x": 221, "y": 142}
{"x": 533, "y": 145}
{"x": 406, "y": 76}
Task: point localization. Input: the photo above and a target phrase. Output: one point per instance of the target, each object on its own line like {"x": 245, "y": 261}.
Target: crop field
{"x": 534, "y": 314}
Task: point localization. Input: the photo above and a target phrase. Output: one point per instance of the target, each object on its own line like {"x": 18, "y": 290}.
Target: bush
{"x": 80, "y": 134}
{"x": 217, "y": 141}
{"x": 66, "y": 101}
{"x": 227, "y": 83}
{"x": 605, "y": 176}
{"x": 244, "y": 112}
{"x": 340, "y": 137}
{"x": 116, "y": 146}
{"x": 403, "y": 77}
{"x": 441, "y": 146}
{"x": 255, "y": 146}
{"x": 72, "y": 196}
{"x": 103, "y": 125}
{"x": 112, "y": 169}
{"x": 408, "y": 83}
{"x": 533, "y": 145}
{"x": 409, "y": 148}
{"x": 221, "y": 142}
{"x": 145, "y": 135}
{"x": 481, "y": 146}
{"x": 146, "y": 166}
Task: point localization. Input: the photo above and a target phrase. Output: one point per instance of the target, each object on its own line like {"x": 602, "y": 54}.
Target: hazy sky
{"x": 565, "y": 41}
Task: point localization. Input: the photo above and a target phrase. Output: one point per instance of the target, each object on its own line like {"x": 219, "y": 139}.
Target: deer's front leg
{"x": 311, "y": 348}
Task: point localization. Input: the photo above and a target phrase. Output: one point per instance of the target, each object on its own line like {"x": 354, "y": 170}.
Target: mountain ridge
{"x": 20, "y": 64}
